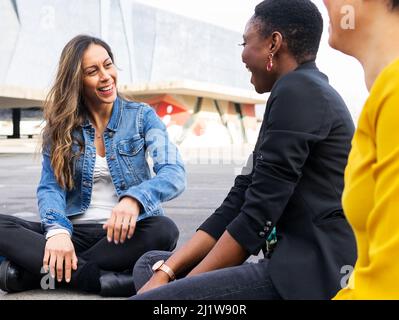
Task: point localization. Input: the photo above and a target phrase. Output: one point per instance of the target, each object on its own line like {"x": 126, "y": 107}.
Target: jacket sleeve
{"x": 216, "y": 224}
{"x": 170, "y": 176}
{"x": 295, "y": 123}
{"x": 51, "y": 200}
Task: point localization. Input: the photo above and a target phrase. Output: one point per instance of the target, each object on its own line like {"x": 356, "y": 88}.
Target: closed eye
{"x": 91, "y": 72}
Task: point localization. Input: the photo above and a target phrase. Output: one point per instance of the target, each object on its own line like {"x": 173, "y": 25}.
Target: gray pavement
{"x": 19, "y": 174}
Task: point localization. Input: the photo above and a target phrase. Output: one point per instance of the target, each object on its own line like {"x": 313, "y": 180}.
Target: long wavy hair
{"x": 64, "y": 109}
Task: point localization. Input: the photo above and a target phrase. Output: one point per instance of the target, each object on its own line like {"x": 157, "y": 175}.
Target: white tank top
{"x": 103, "y": 196}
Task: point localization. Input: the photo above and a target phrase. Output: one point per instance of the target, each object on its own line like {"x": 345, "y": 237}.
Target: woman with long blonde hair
{"x": 100, "y": 209}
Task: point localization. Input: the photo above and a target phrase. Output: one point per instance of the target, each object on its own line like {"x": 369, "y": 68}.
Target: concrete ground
{"x": 208, "y": 185}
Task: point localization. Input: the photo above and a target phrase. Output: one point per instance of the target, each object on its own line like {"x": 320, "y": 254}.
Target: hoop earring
{"x": 269, "y": 66}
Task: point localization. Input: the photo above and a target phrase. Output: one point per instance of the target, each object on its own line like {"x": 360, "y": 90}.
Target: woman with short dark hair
{"x": 293, "y": 182}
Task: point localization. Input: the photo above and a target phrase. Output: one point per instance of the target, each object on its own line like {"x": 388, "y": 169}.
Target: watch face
{"x": 157, "y": 265}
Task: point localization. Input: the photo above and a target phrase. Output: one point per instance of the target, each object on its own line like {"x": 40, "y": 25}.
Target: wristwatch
{"x": 160, "y": 265}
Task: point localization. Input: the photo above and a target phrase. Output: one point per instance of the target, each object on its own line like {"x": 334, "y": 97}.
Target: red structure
{"x": 167, "y": 106}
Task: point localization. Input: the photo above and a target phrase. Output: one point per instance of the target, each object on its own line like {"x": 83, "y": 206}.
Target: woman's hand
{"x": 60, "y": 252}
{"x": 123, "y": 219}
{"x": 158, "y": 279}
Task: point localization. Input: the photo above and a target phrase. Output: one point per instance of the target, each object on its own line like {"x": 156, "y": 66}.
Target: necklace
{"x": 99, "y": 136}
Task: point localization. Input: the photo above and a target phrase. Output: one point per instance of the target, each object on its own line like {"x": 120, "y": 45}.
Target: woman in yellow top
{"x": 371, "y": 195}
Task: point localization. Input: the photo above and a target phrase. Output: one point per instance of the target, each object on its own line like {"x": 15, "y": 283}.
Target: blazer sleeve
{"x": 296, "y": 121}
{"x": 216, "y": 224}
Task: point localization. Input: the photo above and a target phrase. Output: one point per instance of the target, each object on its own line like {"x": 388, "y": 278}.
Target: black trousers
{"x": 23, "y": 243}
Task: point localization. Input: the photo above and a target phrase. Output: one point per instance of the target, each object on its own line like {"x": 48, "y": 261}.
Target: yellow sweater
{"x": 371, "y": 194}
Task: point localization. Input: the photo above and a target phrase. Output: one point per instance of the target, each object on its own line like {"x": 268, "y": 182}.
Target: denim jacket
{"x": 133, "y": 131}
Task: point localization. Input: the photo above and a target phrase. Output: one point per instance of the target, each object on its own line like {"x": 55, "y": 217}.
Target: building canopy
{"x": 154, "y": 49}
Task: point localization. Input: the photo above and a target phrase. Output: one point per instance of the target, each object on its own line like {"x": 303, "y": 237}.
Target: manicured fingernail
{"x": 67, "y": 280}
{"x": 116, "y": 242}
{"x": 109, "y": 239}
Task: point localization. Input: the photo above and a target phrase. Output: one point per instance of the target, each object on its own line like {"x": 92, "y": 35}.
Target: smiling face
{"x": 255, "y": 57}
{"x": 99, "y": 76}
{"x": 347, "y": 19}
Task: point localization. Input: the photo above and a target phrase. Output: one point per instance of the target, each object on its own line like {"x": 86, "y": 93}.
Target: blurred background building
{"x": 188, "y": 70}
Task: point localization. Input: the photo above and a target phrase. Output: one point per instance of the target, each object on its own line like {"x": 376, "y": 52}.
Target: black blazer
{"x": 296, "y": 185}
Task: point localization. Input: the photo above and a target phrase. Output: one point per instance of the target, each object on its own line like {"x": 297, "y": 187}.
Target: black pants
{"x": 23, "y": 243}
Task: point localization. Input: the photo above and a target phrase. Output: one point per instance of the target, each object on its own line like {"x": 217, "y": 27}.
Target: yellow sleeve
{"x": 380, "y": 278}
